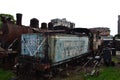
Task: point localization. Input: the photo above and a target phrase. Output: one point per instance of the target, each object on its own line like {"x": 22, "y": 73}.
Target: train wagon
{"x": 42, "y": 51}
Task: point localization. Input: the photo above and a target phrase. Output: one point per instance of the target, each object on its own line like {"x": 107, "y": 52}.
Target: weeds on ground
{"x": 5, "y": 75}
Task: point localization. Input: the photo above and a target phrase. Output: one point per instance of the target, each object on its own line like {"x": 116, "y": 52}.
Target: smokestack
{"x": 19, "y": 19}
{"x": 50, "y": 26}
{"x": 34, "y": 23}
{"x": 43, "y": 25}
{"x": 118, "y": 24}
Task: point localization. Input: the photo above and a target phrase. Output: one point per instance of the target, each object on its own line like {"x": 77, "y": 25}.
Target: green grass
{"x": 107, "y": 73}
{"x": 5, "y": 75}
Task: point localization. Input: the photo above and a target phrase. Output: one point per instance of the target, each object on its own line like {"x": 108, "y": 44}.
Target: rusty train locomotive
{"x": 10, "y": 34}
{"x": 41, "y": 49}
{"x": 44, "y": 51}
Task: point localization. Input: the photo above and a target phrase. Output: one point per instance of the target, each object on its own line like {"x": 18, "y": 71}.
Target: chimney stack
{"x": 34, "y": 23}
{"x": 19, "y": 19}
{"x": 43, "y": 25}
{"x": 50, "y": 26}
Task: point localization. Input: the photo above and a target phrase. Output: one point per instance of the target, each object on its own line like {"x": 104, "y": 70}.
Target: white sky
{"x": 85, "y": 13}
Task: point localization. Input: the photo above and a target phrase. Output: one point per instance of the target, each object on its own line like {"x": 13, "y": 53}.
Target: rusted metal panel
{"x": 12, "y": 31}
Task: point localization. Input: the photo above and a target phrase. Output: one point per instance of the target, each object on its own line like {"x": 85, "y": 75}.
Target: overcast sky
{"x": 85, "y": 13}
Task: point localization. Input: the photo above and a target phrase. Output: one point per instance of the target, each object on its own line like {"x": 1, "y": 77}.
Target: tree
{"x": 7, "y": 17}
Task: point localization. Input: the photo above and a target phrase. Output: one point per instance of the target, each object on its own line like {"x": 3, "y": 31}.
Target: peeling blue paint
{"x": 60, "y": 46}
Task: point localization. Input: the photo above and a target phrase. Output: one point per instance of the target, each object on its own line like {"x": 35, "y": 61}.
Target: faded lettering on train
{"x": 68, "y": 47}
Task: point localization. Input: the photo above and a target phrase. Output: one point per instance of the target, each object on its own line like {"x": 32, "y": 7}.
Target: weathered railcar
{"x": 43, "y": 51}
{"x": 116, "y": 42}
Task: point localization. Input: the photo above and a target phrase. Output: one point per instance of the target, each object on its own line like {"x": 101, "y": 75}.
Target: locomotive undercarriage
{"x": 7, "y": 58}
{"x": 30, "y": 66}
